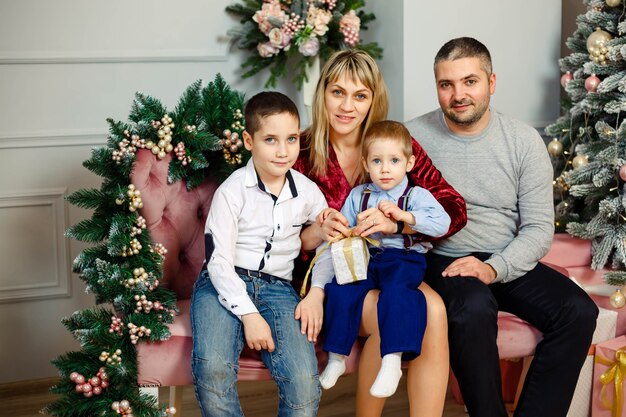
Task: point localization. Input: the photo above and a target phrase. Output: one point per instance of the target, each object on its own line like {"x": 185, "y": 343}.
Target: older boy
{"x": 244, "y": 293}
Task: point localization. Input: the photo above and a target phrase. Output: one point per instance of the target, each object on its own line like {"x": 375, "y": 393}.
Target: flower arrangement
{"x": 277, "y": 30}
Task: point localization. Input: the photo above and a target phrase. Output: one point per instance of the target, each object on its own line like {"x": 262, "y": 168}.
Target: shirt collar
{"x": 395, "y": 193}
{"x": 253, "y": 179}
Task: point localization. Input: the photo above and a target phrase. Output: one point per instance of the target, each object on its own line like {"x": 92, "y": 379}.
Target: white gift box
{"x": 350, "y": 259}
{"x": 605, "y": 330}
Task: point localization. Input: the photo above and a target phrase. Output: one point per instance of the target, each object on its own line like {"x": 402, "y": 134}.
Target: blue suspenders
{"x": 409, "y": 240}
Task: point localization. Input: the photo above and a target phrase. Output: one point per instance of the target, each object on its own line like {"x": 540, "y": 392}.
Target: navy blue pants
{"x": 401, "y": 306}
{"x": 551, "y": 302}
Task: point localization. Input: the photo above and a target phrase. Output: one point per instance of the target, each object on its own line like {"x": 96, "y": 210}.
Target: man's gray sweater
{"x": 505, "y": 176}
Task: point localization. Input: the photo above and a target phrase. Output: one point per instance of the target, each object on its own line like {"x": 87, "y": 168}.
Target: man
{"x": 502, "y": 170}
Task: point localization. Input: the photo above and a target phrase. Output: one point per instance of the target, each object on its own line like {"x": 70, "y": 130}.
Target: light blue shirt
{"x": 430, "y": 219}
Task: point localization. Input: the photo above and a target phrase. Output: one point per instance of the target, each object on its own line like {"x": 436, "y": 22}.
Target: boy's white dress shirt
{"x": 250, "y": 228}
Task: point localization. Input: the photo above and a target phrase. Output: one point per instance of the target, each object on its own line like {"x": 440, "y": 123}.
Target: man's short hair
{"x": 465, "y": 47}
{"x": 391, "y": 130}
{"x": 267, "y": 103}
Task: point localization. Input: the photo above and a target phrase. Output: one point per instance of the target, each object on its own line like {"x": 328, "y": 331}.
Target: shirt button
{"x": 278, "y": 227}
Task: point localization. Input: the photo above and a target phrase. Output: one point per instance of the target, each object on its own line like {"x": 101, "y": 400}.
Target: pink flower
{"x": 318, "y": 19}
{"x": 266, "y": 49}
{"x": 279, "y": 38}
{"x": 270, "y": 16}
{"x": 310, "y": 47}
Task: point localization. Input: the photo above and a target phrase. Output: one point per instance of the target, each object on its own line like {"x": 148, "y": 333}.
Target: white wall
{"x": 67, "y": 65}
{"x": 523, "y": 38}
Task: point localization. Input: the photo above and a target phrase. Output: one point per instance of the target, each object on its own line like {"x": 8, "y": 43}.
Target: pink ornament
{"x": 94, "y": 381}
{"x": 566, "y": 78}
{"x": 622, "y": 172}
{"x": 97, "y": 390}
{"x": 591, "y": 83}
{"x": 73, "y": 376}
{"x": 79, "y": 379}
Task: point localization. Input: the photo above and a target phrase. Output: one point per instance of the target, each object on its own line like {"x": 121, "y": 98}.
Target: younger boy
{"x": 244, "y": 293}
{"x": 396, "y": 268}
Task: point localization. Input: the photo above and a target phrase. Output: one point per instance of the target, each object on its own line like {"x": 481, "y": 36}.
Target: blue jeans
{"x": 218, "y": 339}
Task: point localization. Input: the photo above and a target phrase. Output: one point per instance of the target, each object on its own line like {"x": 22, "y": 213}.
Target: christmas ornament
{"x": 597, "y": 46}
{"x": 164, "y": 132}
{"x": 170, "y": 410}
{"x": 114, "y": 358}
{"x": 580, "y": 161}
{"x": 613, "y": 3}
{"x": 116, "y": 326}
{"x": 159, "y": 249}
{"x": 622, "y": 172}
{"x": 145, "y": 305}
{"x": 555, "y": 147}
{"x": 128, "y": 146}
{"x": 181, "y": 154}
{"x": 134, "y": 248}
{"x": 122, "y": 407}
{"x": 135, "y": 198}
{"x": 617, "y": 299}
{"x": 591, "y": 83}
{"x": 231, "y": 146}
{"x": 137, "y": 331}
{"x": 566, "y": 78}
{"x": 92, "y": 386}
{"x": 560, "y": 184}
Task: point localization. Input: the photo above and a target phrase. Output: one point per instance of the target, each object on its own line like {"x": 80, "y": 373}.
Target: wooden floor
{"x": 258, "y": 399}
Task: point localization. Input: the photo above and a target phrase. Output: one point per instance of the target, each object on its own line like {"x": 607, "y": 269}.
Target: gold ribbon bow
{"x": 616, "y": 372}
{"x": 347, "y": 252}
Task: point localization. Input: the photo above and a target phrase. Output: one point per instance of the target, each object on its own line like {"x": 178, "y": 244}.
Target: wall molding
{"x": 53, "y": 139}
{"x": 58, "y": 284}
{"x": 108, "y": 57}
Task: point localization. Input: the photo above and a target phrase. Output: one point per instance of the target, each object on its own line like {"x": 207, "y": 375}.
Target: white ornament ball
{"x": 617, "y": 299}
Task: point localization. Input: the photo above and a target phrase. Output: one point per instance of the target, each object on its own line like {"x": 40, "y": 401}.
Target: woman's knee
{"x": 369, "y": 315}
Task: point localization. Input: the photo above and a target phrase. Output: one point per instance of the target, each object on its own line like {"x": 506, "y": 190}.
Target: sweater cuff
{"x": 498, "y": 264}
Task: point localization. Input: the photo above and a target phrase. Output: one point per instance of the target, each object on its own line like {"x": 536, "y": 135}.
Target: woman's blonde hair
{"x": 358, "y": 66}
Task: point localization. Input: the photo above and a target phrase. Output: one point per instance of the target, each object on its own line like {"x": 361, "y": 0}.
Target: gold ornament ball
{"x": 555, "y": 147}
{"x": 617, "y": 299}
{"x": 597, "y": 40}
{"x": 580, "y": 161}
{"x": 613, "y": 3}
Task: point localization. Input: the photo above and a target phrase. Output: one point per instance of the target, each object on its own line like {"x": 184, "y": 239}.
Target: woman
{"x": 350, "y": 96}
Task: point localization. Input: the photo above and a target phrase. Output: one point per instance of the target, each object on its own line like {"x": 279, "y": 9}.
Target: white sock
{"x": 334, "y": 369}
{"x": 388, "y": 377}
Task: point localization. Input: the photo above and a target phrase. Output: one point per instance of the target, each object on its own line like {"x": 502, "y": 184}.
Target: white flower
{"x": 318, "y": 19}
{"x": 310, "y": 47}
{"x": 276, "y": 37}
{"x": 266, "y": 49}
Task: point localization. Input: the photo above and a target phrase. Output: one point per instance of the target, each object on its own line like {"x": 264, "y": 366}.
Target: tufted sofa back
{"x": 175, "y": 218}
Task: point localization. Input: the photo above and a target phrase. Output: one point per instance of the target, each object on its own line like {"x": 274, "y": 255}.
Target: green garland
{"x": 249, "y": 36}
{"x": 124, "y": 265}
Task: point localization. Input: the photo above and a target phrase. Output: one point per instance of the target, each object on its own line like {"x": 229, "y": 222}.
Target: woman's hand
{"x": 333, "y": 225}
{"x": 373, "y": 220}
{"x": 310, "y": 312}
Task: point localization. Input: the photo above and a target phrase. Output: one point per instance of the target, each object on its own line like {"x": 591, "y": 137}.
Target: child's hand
{"x": 391, "y": 210}
{"x": 310, "y": 312}
{"x": 324, "y": 213}
{"x": 257, "y": 332}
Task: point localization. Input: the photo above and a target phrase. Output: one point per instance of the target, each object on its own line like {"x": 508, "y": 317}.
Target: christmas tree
{"x": 589, "y": 141}
{"x": 124, "y": 266}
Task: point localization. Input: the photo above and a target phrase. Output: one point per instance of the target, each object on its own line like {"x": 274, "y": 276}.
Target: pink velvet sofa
{"x": 175, "y": 217}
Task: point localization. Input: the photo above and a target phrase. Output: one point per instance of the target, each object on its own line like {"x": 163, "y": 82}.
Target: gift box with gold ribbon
{"x": 608, "y": 379}
{"x": 350, "y": 259}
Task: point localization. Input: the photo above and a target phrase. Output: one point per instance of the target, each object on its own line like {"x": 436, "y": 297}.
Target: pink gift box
{"x": 604, "y": 394}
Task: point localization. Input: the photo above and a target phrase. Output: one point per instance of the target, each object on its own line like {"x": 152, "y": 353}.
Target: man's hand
{"x": 470, "y": 266}
{"x": 257, "y": 332}
{"x": 310, "y": 312}
{"x": 373, "y": 220}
